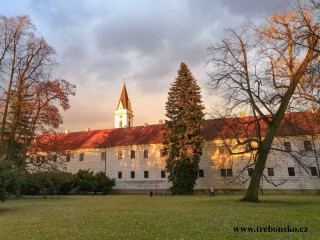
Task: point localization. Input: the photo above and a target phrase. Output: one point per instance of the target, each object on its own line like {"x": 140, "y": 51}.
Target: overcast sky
{"x": 101, "y": 42}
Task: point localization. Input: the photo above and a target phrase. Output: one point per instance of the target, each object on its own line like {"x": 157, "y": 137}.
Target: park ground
{"x": 174, "y": 217}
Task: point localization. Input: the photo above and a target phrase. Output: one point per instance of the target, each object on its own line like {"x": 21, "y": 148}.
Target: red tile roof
{"x": 293, "y": 124}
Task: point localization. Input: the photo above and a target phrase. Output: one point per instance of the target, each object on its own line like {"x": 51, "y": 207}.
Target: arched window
{"x": 120, "y": 124}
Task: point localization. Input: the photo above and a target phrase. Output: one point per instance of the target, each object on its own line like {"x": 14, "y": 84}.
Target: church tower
{"x": 124, "y": 114}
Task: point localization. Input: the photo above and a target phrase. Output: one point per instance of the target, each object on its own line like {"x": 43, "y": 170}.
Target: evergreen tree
{"x": 182, "y": 138}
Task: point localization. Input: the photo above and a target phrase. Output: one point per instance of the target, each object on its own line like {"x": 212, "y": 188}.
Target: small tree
{"x": 182, "y": 138}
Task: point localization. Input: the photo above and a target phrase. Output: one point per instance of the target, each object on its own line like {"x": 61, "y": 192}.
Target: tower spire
{"x": 124, "y": 114}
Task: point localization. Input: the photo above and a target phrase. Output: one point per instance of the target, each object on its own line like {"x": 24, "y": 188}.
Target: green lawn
{"x": 145, "y": 217}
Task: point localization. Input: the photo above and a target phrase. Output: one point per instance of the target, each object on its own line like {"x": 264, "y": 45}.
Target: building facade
{"x": 133, "y": 156}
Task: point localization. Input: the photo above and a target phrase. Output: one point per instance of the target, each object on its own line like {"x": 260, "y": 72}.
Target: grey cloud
{"x": 255, "y": 8}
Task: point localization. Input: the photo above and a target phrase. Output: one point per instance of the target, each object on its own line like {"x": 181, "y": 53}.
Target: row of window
{"x": 145, "y": 174}
{"x": 162, "y": 174}
{"x": 133, "y": 154}
{"x": 307, "y": 146}
{"x": 270, "y": 172}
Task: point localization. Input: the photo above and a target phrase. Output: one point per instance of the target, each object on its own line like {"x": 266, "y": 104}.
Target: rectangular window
{"x": 145, "y": 154}
{"x": 68, "y": 157}
{"x": 221, "y": 150}
{"x": 163, "y": 174}
{"x": 313, "y": 171}
{"x": 291, "y": 171}
{"x": 223, "y": 172}
{"x": 133, "y": 154}
{"x": 119, "y": 154}
{"x": 103, "y": 156}
{"x": 307, "y": 146}
{"x": 119, "y": 175}
{"x": 287, "y": 146}
{"x": 250, "y": 171}
{"x": 229, "y": 172}
{"x": 162, "y": 153}
{"x": 270, "y": 172}
{"x": 133, "y": 174}
{"x": 146, "y": 174}
{"x": 201, "y": 173}
{"x": 81, "y": 157}
{"x": 55, "y": 157}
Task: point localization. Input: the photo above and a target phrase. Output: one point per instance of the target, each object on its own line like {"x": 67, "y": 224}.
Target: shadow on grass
{"x": 289, "y": 201}
{"x": 8, "y": 210}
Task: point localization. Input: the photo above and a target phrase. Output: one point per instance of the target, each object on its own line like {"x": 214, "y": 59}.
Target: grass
{"x": 144, "y": 217}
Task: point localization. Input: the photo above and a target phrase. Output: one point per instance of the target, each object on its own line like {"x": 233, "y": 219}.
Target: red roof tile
{"x": 293, "y": 124}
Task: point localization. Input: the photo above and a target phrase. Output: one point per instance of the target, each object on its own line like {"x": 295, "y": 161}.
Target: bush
{"x": 103, "y": 183}
{"x": 84, "y": 181}
{"x": 48, "y": 183}
{"x": 87, "y": 181}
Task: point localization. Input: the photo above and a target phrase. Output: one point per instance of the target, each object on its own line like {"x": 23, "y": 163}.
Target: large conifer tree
{"x": 182, "y": 138}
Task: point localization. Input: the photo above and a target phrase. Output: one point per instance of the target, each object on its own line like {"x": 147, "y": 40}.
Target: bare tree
{"x": 263, "y": 69}
{"x": 31, "y": 99}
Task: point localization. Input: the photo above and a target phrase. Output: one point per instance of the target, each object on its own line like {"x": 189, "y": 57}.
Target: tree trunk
{"x": 252, "y": 194}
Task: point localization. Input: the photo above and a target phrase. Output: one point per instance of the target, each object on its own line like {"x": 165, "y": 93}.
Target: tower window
{"x": 133, "y": 154}
{"x": 120, "y": 124}
{"x": 163, "y": 174}
{"x": 133, "y": 174}
{"x": 146, "y": 174}
{"x": 119, "y": 175}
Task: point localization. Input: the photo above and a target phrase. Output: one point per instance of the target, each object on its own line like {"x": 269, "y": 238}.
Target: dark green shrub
{"x": 103, "y": 183}
{"x": 48, "y": 183}
{"x": 85, "y": 181}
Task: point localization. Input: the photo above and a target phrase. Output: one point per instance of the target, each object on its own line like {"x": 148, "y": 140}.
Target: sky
{"x": 99, "y": 43}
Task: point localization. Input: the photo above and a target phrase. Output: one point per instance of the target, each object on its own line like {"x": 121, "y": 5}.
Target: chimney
{"x": 87, "y": 129}
{"x": 160, "y": 121}
{"x": 243, "y": 114}
{"x": 145, "y": 125}
{"x": 66, "y": 131}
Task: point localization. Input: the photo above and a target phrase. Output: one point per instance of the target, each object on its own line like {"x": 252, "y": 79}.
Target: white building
{"x": 133, "y": 156}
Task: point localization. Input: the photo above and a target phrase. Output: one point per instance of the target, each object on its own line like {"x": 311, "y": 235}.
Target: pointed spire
{"x": 124, "y": 98}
